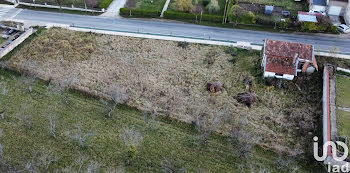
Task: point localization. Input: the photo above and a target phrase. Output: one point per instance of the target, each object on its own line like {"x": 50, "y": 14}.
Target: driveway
{"x": 114, "y": 8}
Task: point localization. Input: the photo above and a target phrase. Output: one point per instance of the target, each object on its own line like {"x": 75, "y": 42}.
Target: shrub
{"x": 213, "y": 7}
{"x": 191, "y": 16}
{"x": 284, "y": 24}
{"x": 265, "y": 20}
{"x": 104, "y": 4}
{"x": 184, "y": 5}
{"x": 139, "y": 12}
{"x": 240, "y": 15}
{"x": 318, "y": 27}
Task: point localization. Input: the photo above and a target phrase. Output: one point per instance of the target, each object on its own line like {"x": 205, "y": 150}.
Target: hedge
{"x": 318, "y": 27}
{"x": 192, "y": 16}
{"x": 139, "y": 13}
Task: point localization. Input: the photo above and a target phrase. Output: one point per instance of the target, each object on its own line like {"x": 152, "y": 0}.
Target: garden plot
{"x": 171, "y": 78}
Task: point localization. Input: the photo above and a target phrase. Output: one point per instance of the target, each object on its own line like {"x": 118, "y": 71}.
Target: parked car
{"x": 343, "y": 28}
{"x": 318, "y": 12}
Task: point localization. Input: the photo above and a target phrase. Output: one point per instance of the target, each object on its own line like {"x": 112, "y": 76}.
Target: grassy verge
{"x": 150, "y": 4}
{"x": 59, "y": 10}
{"x": 343, "y": 91}
{"x": 167, "y": 139}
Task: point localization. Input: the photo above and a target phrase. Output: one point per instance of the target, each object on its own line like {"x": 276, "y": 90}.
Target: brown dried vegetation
{"x": 173, "y": 80}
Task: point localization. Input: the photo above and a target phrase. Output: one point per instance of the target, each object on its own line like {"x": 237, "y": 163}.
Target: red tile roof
{"x": 282, "y": 57}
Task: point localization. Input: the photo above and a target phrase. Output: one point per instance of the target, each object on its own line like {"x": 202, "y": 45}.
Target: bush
{"x": 318, "y": 27}
{"x": 139, "y": 12}
{"x": 184, "y": 5}
{"x": 104, "y": 4}
{"x": 284, "y": 24}
{"x": 240, "y": 15}
{"x": 191, "y": 16}
{"x": 213, "y": 7}
{"x": 265, "y": 20}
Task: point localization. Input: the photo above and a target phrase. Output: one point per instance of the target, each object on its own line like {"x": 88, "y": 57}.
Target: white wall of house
{"x": 272, "y": 74}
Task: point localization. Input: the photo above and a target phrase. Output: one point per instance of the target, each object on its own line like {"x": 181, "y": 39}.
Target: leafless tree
{"x": 40, "y": 161}
{"x": 115, "y": 170}
{"x": 80, "y": 136}
{"x": 22, "y": 114}
{"x": 172, "y": 165}
{"x": 116, "y": 95}
{"x": 131, "y": 137}
{"x": 205, "y": 125}
{"x": 52, "y": 129}
{"x": 93, "y": 167}
{"x": 150, "y": 117}
{"x": 4, "y": 102}
{"x": 287, "y": 164}
{"x": 62, "y": 87}
{"x": 30, "y": 72}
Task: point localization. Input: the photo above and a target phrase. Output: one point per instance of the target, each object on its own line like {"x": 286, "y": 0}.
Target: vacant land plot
{"x": 28, "y": 145}
{"x": 171, "y": 78}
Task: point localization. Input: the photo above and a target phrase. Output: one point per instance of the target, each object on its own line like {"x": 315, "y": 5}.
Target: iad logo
{"x": 334, "y": 150}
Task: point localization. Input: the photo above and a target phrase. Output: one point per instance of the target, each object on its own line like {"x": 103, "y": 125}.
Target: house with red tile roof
{"x": 285, "y": 60}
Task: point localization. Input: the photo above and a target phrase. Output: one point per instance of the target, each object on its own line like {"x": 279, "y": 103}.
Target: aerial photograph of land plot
{"x": 114, "y": 86}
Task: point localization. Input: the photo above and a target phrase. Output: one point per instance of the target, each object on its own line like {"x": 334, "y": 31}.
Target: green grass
{"x": 343, "y": 123}
{"x": 287, "y": 4}
{"x": 106, "y": 147}
{"x": 343, "y": 91}
{"x": 148, "y": 5}
{"x": 59, "y": 10}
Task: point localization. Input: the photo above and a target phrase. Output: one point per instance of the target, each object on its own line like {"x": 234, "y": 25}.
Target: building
{"x": 285, "y": 60}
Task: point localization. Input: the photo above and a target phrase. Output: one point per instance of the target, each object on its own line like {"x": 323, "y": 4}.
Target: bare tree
{"x": 205, "y": 125}
{"x": 172, "y": 165}
{"x": 4, "y": 102}
{"x": 52, "y": 129}
{"x": 150, "y": 118}
{"x": 287, "y": 164}
{"x": 79, "y": 136}
{"x": 132, "y": 138}
{"x": 93, "y": 167}
{"x": 115, "y": 170}
{"x": 116, "y": 95}
{"x": 62, "y": 87}
{"x": 22, "y": 114}
{"x": 30, "y": 72}
{"x": 40, "y": 161}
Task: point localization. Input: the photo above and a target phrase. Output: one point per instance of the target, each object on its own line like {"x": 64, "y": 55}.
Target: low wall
{"x": 16, "y": 42}
{"x": 60, "y": 7}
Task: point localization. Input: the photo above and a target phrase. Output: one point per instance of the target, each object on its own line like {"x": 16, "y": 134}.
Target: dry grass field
{"x": 171, "y": 78}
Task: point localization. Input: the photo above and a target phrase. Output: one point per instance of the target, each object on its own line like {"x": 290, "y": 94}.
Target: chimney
{"x": 295, "y": 58}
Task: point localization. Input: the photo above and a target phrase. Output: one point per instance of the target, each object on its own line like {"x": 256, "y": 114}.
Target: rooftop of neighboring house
{"x": 282, "y": 57}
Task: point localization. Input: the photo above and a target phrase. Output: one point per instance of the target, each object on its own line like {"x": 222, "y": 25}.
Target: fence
{"x": 16, "y": 42}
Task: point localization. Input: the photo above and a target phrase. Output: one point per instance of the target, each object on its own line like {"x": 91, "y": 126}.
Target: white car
{"x": 317, "y": 12}
{"x": 343, "y": 28}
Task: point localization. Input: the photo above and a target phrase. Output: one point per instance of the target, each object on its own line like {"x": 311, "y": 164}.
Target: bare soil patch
{"x": 172, "y": 79}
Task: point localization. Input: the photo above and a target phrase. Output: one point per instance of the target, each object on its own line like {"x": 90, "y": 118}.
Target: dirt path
{"x": 114, "y": 7}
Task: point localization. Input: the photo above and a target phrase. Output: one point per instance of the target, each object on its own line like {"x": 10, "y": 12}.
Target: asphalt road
{"x": 323, "y": 42}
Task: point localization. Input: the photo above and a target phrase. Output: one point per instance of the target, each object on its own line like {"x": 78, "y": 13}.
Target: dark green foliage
{"x": 139, "y": 13}
{"x": 191, "y": 16}
{"x": 104, "y": 4}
